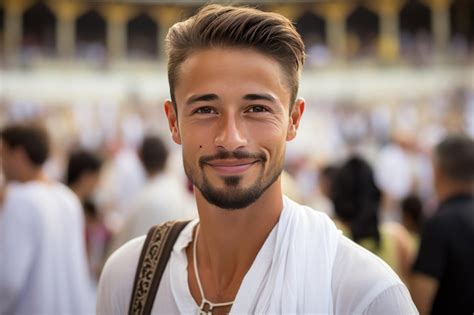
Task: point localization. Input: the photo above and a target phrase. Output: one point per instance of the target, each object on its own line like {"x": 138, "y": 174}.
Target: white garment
{"x": 123, "y": 178}
{"x": 399, "y": 172}
{"x": 164, "y": 198}
{"x": 43, "y": 264}
{"x": 304, "y": 266}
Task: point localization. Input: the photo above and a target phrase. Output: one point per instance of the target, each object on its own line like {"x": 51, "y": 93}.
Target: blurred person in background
{"x": 443, "y": 279}
{"x": 43, "y": 265}
{"x": 400, "y": 170}
{"x": 412, "y": 217}
{"x": 122, "y": 176}
{"x": 82, "y": 176}
{"x": 83, "y": 173}
{"x": 357, "y": 201}
{"x": 163, "y": 198}
{"x": 321, "y": 200}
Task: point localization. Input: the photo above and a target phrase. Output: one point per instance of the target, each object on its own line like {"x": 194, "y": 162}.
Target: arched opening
{"x": 415, "y": 26}
{"x": 363, "y": 29}
{"x": 91, "y": 36}
{"x": 39, "y": 32}
{"x": 2, "y": 31}
{"x": 142, "y": 37}
{"x": 462, "y": 24}
{"x": 312, "y": 28}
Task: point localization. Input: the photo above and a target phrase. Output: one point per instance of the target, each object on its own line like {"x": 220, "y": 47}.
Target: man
{"x": 233, "y": 75}
{"x": 82, "y": 176}
{"x": 43, "y": 267}
{"x": 443, "y": 280}
{"x": 164, "y": 197}
{"x": 83, "y": 173}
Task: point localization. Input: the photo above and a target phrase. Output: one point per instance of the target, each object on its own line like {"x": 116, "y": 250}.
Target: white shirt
{"x": 43, "y": 264}
{"x": 163, "y": 198}
{"x": 360, "y": 283}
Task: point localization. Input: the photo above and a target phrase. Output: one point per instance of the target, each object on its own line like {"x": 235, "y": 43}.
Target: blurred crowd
{"x": 371, "y": 171}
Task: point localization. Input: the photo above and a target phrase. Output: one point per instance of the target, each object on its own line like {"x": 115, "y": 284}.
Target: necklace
{"x": 206, "y": 306}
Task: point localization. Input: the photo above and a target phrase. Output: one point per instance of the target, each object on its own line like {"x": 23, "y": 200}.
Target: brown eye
{"x": 205, "y": 110}
{"x": 257, "y": 109}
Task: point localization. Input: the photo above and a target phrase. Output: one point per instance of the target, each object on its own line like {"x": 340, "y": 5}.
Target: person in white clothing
{"x": 233, "y": 75}
{"x": 43, "y": 266}
{"x": 163, "y": 198}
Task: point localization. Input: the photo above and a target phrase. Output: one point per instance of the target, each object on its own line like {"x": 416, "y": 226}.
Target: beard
{"x": 233, "y": 197}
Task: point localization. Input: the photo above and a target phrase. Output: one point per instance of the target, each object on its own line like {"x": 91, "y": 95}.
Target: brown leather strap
{"x": 154, "y": 257}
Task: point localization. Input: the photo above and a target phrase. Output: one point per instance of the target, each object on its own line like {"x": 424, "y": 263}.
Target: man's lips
{"x": 231, "y": 166}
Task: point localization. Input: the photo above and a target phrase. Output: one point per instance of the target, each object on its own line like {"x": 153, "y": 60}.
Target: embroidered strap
{"x": 154, "y": 256}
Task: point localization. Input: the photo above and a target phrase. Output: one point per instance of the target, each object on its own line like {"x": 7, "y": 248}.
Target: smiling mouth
{"x": 231, "y": 166}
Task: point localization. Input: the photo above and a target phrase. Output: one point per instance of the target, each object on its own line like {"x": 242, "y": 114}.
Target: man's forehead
{"x": 220, "y": 66}
{"x": 212, "y": 57}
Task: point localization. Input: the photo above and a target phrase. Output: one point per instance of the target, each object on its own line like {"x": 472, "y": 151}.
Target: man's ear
{"x": 295, "y": 118}
{"x": 172, "y": 117}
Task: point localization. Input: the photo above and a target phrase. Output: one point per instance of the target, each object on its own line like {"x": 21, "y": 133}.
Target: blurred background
{"x": 385, "y": 79}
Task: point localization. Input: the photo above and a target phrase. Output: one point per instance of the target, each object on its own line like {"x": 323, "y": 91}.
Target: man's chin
{"x": 231, "y": 199}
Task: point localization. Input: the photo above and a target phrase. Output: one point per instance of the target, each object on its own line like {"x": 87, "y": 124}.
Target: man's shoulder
{"x": 124, "y": 257}
{"x": 307, "y": 212}
{"x": 117, "y": 278}
{"x": 23, "y": 196}
{"x": 359, "y": 274}
{"x": 350, "y": 254}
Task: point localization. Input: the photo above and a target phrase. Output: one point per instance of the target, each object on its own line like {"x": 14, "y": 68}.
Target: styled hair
{"x": 455, "y": 157}
{"x": 32, "y": 138}
{"x": 81, "y": 162}
{"x": 226, "y": 26}
{"x": 356, "y": 199}
{"x": 153, "y": 154}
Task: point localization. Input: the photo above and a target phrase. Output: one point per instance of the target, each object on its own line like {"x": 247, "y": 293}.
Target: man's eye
{"x": 205, "y": 110}
{"x": 257, "y": 109}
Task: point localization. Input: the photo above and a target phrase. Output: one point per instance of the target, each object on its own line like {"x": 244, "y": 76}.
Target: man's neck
{"x": 229, "y": 241}
{"x": 79, "y": 191}
{"x": 453, "y": 189}
{"x": 33, "y": 174}
{"x": 153, "y": 175}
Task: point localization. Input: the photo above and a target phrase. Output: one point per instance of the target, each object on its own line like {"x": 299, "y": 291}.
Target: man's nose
{"x": 231, "y": 133}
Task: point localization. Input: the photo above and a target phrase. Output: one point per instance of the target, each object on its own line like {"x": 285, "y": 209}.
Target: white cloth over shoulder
{"x": 304, "y": 266}
{"x": 300, "y": 271}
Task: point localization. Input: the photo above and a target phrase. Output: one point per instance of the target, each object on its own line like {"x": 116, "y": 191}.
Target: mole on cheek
{"x": 200, "y": 147}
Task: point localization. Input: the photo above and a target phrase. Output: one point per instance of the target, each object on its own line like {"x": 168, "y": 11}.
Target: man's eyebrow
{"x": 201, "y": 98}
{"x": 256, "y": 97}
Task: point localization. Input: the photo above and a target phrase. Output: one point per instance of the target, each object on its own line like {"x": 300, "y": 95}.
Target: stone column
{"x": 66, "y": 14}
{"x": 165, "y": 17}
{"x": 290, "y": 11}
{"x": 389, "y": 37}
{"x": 13, "y": 30}
{"x": 117, "y": 16}
{"x": 440, "y": 25}
{"x": 335, "y": 14}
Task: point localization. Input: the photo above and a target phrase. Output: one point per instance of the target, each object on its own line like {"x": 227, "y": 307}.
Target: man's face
{"x": 233, "y": 122}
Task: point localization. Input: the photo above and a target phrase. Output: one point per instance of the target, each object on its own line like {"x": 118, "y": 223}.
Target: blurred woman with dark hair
{"x": 356, "y": 199}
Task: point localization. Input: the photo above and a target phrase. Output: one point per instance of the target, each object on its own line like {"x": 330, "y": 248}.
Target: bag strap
{"x": 154, "y": 257}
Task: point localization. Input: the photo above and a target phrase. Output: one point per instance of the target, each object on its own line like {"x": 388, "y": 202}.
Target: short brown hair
{"x": 455, "y": 157}
{"x": 226, "y": 26}
{"x": 32, "y": 138}
{"x": 153, "y": 154}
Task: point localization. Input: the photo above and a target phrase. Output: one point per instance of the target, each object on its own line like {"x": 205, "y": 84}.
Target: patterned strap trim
{"x": 153, "y": 259}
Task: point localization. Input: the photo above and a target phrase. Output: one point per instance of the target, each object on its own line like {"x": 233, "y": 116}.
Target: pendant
{"x": 205, "y": 308}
